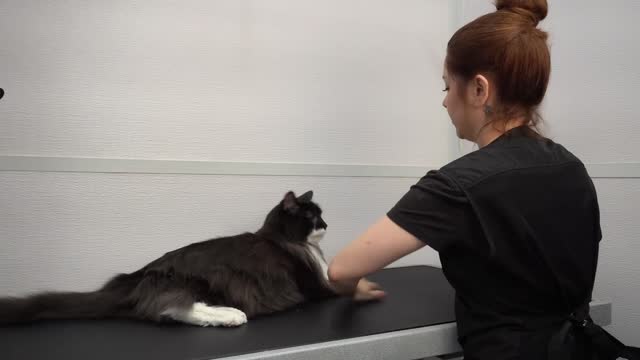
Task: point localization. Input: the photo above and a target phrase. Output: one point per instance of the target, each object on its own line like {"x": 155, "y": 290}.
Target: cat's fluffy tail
{"x": 110, "y": 301}
{"x": 56, "y": 306}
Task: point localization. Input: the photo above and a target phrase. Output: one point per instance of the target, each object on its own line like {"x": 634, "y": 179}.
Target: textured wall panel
{"x": 338, "y": 81}
{"x": 72, "y": 231}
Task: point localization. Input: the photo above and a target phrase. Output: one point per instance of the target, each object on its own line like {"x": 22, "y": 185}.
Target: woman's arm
{"x": 383, "y": 243}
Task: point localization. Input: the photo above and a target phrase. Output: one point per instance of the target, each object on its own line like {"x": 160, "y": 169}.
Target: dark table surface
{"x": 417, "y": 296}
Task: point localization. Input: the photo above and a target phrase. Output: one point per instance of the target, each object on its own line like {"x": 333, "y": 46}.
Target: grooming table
{"x": 415, "y": 320}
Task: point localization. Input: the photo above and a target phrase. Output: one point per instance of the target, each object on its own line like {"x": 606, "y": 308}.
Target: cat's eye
{"x": 308, "y": 214}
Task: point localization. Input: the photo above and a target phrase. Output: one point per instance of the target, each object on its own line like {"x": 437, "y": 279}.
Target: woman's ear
{"x": 478, "y": 91}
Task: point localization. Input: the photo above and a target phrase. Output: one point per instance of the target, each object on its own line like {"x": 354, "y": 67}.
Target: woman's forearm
{"x": 383, "y": 243}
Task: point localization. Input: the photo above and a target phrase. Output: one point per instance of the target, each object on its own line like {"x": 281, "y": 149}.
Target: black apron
{"x": 579, "y": 338}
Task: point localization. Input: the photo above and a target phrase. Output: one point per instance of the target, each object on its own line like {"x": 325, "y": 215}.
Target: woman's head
{"x": 497, "y": 68}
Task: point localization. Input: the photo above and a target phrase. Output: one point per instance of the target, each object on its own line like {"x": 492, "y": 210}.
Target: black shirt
{"x": 516, "y": 224}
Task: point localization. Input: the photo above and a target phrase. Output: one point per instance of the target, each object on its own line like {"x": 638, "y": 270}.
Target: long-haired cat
{"x": 218, "y": 282}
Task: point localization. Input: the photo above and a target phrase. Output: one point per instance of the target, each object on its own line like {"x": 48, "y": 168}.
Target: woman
{"x": 516, "y": 223}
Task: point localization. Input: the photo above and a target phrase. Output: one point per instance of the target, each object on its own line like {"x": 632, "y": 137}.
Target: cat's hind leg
{"x": 202, "y": 314}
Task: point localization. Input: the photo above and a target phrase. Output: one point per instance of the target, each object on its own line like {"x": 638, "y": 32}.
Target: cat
{"x": 219, "y": 282}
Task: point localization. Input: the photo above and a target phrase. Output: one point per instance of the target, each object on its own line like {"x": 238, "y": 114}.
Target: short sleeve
{"x": 435, "y": 211}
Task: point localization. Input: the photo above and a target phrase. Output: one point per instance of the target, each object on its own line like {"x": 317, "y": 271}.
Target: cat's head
{"x": 299, "y": 217}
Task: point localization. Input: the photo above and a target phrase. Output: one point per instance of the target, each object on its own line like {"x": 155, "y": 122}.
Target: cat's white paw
{"x": 222, "y": 316}
{"x": 218, "y": 315}
{"x": 202, "y": 314}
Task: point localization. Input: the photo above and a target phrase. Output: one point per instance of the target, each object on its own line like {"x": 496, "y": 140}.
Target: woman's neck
{"x": 490, "y": 132}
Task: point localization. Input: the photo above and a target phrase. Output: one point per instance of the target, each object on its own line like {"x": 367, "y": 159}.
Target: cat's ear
{"x": 306, "y": 197}
{"x": 290, "y": 203}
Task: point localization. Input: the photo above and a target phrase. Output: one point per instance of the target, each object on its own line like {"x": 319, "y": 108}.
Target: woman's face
{"x": 461, "y": 102}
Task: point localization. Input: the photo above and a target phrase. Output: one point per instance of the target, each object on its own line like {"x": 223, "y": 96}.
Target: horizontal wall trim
{"x": 614, "y": 170}
{"x": 142, "y": 166}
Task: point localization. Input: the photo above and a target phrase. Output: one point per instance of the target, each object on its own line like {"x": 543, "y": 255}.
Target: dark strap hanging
{"x": 603, "y": 345}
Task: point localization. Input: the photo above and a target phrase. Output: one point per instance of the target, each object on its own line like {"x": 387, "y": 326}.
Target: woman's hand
{"x": 368, "y": 291}
{"x": 358, "y": 289}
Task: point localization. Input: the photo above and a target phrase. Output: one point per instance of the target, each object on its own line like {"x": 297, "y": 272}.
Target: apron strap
{"x": 564, "y": 341}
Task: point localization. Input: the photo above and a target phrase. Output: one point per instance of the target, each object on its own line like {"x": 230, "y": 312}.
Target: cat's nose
{"x": 321, "y": 225}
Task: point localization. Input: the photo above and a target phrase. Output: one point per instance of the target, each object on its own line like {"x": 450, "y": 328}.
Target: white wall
{"x": 72, "y": 231}
{"x": 591, "y": 109}
{"x": 234, "y": 80}
{"x": 321, "y": 82}
{"x": 349, "y": 82}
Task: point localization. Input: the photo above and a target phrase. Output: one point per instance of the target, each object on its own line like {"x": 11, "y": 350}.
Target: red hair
{"x": 507, "y": 47}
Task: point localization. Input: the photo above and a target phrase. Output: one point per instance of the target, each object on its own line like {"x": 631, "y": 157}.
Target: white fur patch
{"x": 314, "y": 238}
{"x": 202, "y": 314}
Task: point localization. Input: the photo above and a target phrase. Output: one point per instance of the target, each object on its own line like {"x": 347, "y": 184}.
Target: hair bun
{"x": 536, "y": 9}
